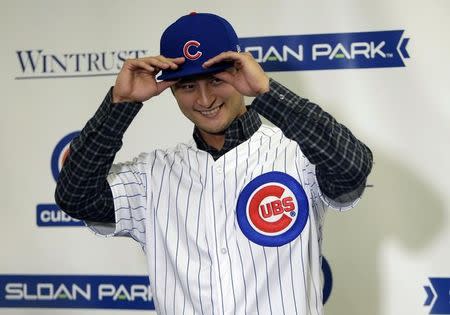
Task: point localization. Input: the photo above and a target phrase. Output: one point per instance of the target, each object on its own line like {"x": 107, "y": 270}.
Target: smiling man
{"x": 231, "y": 222}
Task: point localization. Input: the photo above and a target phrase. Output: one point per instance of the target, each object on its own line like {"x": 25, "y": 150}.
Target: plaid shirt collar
{"x": 238, "y": 132}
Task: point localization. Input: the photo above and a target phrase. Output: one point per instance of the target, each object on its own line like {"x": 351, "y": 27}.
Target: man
{"x": 231, "y": 221}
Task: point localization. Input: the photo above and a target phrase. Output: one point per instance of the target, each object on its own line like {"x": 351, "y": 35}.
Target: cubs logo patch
{"x": 272, "y": 209}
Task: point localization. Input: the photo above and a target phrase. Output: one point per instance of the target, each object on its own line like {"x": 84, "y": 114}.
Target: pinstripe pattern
{"x": 188, "y": 282}
{"x": 213, "y": 233}
{"x": 197, "y": 235}
{"x": 277, "y": 280}
{"x": 227, "y": 217}
{"x": 167, "y": 234}
{"x": 179, "y": 204}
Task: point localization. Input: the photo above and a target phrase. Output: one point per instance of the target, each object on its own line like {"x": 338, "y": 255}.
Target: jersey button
{"x": 219, "y": 169}
{"x": 223, "y": 250}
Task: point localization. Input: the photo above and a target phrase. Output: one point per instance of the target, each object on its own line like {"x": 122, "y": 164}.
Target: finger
{"x": 142, "y": 65}
{"x": 177, "y": 60}
{"x": 172, "y": 62}
{"x": 148, "y": 58}
{"x": 161, "y": 64}
{"x": 225, "y": 56}
{"x": 156, "y": 62}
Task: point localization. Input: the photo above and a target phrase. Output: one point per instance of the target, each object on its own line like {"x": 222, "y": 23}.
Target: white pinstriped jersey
{"x": 182, "y": 207}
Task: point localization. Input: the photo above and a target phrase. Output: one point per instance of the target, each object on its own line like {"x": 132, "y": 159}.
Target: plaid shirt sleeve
{"x": 342, "y": 161}
{"x": 82, "y": 190}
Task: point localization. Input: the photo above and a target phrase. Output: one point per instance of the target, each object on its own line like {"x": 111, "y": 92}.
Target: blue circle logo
{"x": 272, "y": 209}
{"x": 60, "y": 153}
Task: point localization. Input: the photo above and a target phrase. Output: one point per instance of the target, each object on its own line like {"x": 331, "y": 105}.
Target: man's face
{"x": 210, "y": 103}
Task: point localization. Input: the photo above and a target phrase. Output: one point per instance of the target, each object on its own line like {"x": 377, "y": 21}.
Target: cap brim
{"x": 170, "y": 75}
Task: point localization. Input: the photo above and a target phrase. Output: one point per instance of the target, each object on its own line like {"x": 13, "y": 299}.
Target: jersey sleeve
{"x": 321, "y": 200}
{"x": 128, "y": 183}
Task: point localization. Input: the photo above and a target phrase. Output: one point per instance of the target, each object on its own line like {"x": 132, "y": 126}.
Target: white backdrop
{"x": 381, "y": 253}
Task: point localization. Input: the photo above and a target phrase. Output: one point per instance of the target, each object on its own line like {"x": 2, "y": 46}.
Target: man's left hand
{"x": 247, "y": 76}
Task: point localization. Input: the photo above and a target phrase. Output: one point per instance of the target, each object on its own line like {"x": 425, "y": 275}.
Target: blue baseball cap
{"x": 197, "y": 37}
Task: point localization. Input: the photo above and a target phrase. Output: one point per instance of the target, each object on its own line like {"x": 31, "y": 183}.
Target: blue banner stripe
{"x": 328, "y": 51}
{"x": 76, "y": 291}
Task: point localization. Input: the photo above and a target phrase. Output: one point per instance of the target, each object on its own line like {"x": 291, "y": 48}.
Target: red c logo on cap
{"x": 186, "y": 48}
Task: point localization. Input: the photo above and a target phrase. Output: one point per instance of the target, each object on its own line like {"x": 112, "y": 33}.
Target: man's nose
{"x": 205, "y": 97}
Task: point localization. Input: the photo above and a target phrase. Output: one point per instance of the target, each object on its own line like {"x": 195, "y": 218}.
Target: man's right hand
{"x": 136, "y": 80}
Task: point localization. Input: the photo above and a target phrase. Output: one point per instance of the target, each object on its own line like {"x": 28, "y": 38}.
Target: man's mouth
{"x": 211, "y": 112}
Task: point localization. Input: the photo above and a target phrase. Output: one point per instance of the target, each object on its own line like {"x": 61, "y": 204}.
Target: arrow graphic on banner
{"x": 402, "y": 48}
{"x": 430, "y": 295}
{"x": 439, "y": 293}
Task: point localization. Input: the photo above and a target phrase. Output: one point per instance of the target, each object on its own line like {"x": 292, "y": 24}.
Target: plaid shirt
{"x": 342, "y": 161}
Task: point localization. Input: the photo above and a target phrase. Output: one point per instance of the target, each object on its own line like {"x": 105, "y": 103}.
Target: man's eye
{"x": 216, "y": 81}
{"x": 187, "y": 86}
